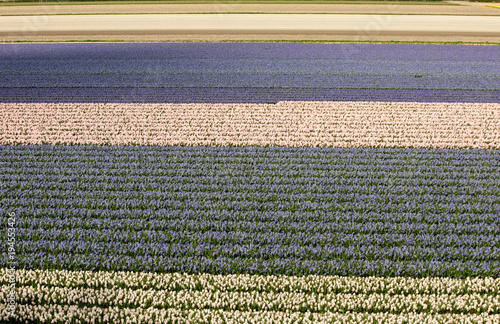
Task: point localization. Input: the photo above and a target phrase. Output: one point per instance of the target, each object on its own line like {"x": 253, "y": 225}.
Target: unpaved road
{"x": 464, "y": 8}
{"x": 177, "y": 27}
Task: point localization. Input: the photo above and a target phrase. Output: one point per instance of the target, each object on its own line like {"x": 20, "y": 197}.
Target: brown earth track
{"x": 217, "y": 36}
{"x": 388, "y": 8}
{"x": 31, "y": 32}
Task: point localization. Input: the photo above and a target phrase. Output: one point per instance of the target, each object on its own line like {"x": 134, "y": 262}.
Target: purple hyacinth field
{"x": 250, "y": 183}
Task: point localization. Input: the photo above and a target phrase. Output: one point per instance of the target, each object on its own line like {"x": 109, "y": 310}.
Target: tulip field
{"x": 250, "y": 183}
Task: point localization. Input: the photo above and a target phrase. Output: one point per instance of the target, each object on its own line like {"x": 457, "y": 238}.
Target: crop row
{"x": 334, "y": 124}
{"x": 247, "y": 80}
{"x": 312, "y": 284}
{"x": 412, "y": 212}
{"x": 231, "y": 66}
{"x": 238, "y": 298}
{"x": 368, "y": 226}
{"x": 264, "y": 301}
{"x": 54, "y": 313}
{"x": 239, "y": 95}
{"x": 430, "y": 54}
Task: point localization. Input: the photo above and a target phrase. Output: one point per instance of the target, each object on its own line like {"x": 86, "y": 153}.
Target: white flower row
{"x": 257, "y": 300}
{"x": 303, "y": 284}
{"x": 237, "y": 298}
{"x": 70, "y": 313}
{"x": 334, "y": 124}
{"x": 262, "y": 301}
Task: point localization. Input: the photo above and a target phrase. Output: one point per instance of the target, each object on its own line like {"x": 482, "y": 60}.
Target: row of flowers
{"x": 258, "y": 301}
{"x": 55, "y": 313}
{"x": 334, "y": 79}
{"x": 129, "y": 95}
{"x": 328, "y": 237}
{"x": 265, "y": 265}
{"x": 231, "y": 66}
{"x": 310, "y": 284}
{"x": 151, "y": 297}
{"x": 426, "y": 55}
{"x": 333, "y": 124}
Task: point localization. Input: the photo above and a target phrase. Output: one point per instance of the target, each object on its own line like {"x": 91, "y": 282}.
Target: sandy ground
{"x": 178, "y": 27}
{"x": 402, "y": 23}
{"x": 465, "y": 8}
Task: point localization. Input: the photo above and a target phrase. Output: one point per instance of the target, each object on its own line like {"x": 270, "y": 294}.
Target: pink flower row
{"x": 334, "y": 124}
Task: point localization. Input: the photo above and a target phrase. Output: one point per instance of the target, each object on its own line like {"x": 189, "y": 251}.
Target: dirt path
{"x": 250, "y": 27}
{"x": 465, "y": 8}
{"x": 351, "y": 26}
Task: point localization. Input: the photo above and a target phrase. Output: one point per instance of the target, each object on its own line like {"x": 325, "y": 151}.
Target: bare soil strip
{"x": 214, "y": 36}
{"x": 213, "y": 27}
{"x": 383, "y": 8}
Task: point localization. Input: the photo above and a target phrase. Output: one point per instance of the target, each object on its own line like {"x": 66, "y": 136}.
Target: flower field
{"x": 248, "y": 73}
{"x": 298, "y": 124}
{"x": 251, "y": 182}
